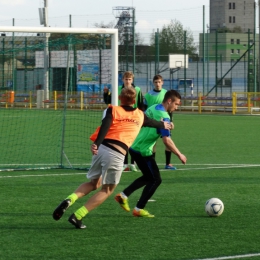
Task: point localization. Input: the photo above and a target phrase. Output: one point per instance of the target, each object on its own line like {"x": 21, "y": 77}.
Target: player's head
{"x": 128, "y": 78}
{"x": 158, "y": 82}
{"x": 105, "y": 89}
{"x": 172, "y": 100}
{"x": 127, "y": 96}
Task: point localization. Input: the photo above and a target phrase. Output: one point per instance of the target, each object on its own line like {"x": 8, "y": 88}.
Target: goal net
{"x": 51, "y": 94}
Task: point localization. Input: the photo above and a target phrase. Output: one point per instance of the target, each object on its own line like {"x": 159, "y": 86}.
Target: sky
{"x": 150, "y": 14}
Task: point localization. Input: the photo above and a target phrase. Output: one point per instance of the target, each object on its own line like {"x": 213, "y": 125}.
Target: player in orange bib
{"x": 111, "y": 142}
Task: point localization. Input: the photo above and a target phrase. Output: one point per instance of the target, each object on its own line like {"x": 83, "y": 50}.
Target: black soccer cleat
{"x": 75, "y": 222}
{"x": 59, "y": 211}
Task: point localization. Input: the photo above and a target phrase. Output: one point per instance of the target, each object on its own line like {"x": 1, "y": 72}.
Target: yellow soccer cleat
{"x": 142, "y": 213}
{"x": 122, "y": 202}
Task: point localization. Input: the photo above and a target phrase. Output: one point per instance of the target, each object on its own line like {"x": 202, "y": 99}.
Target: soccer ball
{"x": 214, "y": 207}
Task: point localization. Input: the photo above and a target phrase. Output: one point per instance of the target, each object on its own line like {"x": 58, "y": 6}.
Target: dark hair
{"x": 156, "y": 77}
{"x": 172, "y": 94}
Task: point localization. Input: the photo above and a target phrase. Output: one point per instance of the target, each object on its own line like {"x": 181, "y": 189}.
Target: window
{"x": 234, "y": 5}
{"x": 238, "y": 41}
{"x": 234, "y": 19}
{"x": 232, "y": 60}
{"x": 251, "y": 52}
{"x": 232, "y": 51}
{"x": 229, "y": 5}
{"x": 232, "y": 41}
{"x": 251, "y": 42}
{"x": 230, "y": 19}
{"x": 238, "y": 51}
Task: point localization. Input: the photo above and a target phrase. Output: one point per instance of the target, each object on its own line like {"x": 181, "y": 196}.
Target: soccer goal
{"x": 51, "y": 94}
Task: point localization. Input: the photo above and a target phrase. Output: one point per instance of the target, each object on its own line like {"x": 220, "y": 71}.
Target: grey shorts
{"x": 108, "y": 164}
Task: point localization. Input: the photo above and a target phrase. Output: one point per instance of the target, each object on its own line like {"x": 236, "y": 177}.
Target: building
{"x": 231, "y": 32}
{"x": 228, "y": 47}
{"x": 233, "y": 15}
{"x": 231, "y": 37}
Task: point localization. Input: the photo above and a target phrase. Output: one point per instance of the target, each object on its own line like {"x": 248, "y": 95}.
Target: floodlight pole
{"x": 46, "y": 53}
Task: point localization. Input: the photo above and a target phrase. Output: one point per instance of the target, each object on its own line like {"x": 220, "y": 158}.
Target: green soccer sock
{"x": 81, "y": 213}
{"x": 73, "y": 197}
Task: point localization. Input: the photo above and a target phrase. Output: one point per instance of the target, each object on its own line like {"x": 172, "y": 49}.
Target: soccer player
{"x": 128, "y": 79}
{"x": 156, "y": 96}
{"x": 142, "y": 152}
{"x": 111, "y": 141}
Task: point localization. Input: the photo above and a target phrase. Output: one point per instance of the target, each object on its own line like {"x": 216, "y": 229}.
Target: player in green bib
{"x": 156, "y": 96}
{"x": 142, "y": 152}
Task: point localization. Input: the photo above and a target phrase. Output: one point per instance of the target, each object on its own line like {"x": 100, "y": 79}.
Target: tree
{"x": 171, "y": 40}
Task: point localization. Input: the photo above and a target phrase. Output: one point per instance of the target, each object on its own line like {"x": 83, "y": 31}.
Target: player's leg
{"x": 82, "y": 190}
{"x": 112, "y": 163}
{"x": 153, "y": 179}
{"x": 96, "y": 200}
{"x": 122, "y": 197}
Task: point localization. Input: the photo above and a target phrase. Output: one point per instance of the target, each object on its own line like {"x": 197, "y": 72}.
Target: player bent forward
{"x": 118, "y": 130}
{"x": 142, "y": 152}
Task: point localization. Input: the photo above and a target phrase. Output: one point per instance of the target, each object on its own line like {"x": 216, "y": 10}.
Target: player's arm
{"x": 106, "y": 123}
{"x": 173, "y": 148}
{"x": 166, "y": 138}
{"x": 140, "y": 101}
{"x": 149, "y": 122}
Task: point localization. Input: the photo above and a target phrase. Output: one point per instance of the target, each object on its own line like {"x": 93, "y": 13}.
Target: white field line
{"x": 226, "y": 166}
{"x": 89, "y": 163}
{"x": 230, "y": 257}
{"x": 216, "y": 167}
{"x": 43, "y": 175}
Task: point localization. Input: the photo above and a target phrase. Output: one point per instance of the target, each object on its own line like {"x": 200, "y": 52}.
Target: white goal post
{"x": 114, "y": 45}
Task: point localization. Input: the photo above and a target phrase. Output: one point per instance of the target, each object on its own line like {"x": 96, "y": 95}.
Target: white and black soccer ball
{"x": 214, "y": 207}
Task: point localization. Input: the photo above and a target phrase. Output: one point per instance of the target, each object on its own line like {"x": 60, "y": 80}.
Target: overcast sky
{"x": 150, "y": 14}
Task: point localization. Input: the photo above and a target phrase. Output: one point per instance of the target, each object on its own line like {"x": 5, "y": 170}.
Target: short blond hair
{"x": 127, "y": 96}
{"x": 128, "y": 74}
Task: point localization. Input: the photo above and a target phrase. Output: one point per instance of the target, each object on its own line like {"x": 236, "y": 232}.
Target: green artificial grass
{"x": 223, "y": 162}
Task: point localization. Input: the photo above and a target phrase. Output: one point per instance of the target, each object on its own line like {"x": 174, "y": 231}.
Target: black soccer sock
{"x": 168, "y": 157}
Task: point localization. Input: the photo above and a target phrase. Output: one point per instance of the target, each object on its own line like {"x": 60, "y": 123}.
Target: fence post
{"x": 234, "y": 99}
{"x": 199, "y": 103}
{"x": 248, "y": 101}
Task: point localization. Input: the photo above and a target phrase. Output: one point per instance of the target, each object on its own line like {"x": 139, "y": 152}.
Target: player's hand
{"x": 94, "y": 149}
{"x": 183, "y": 158}
{"x": 167, "y": 125}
